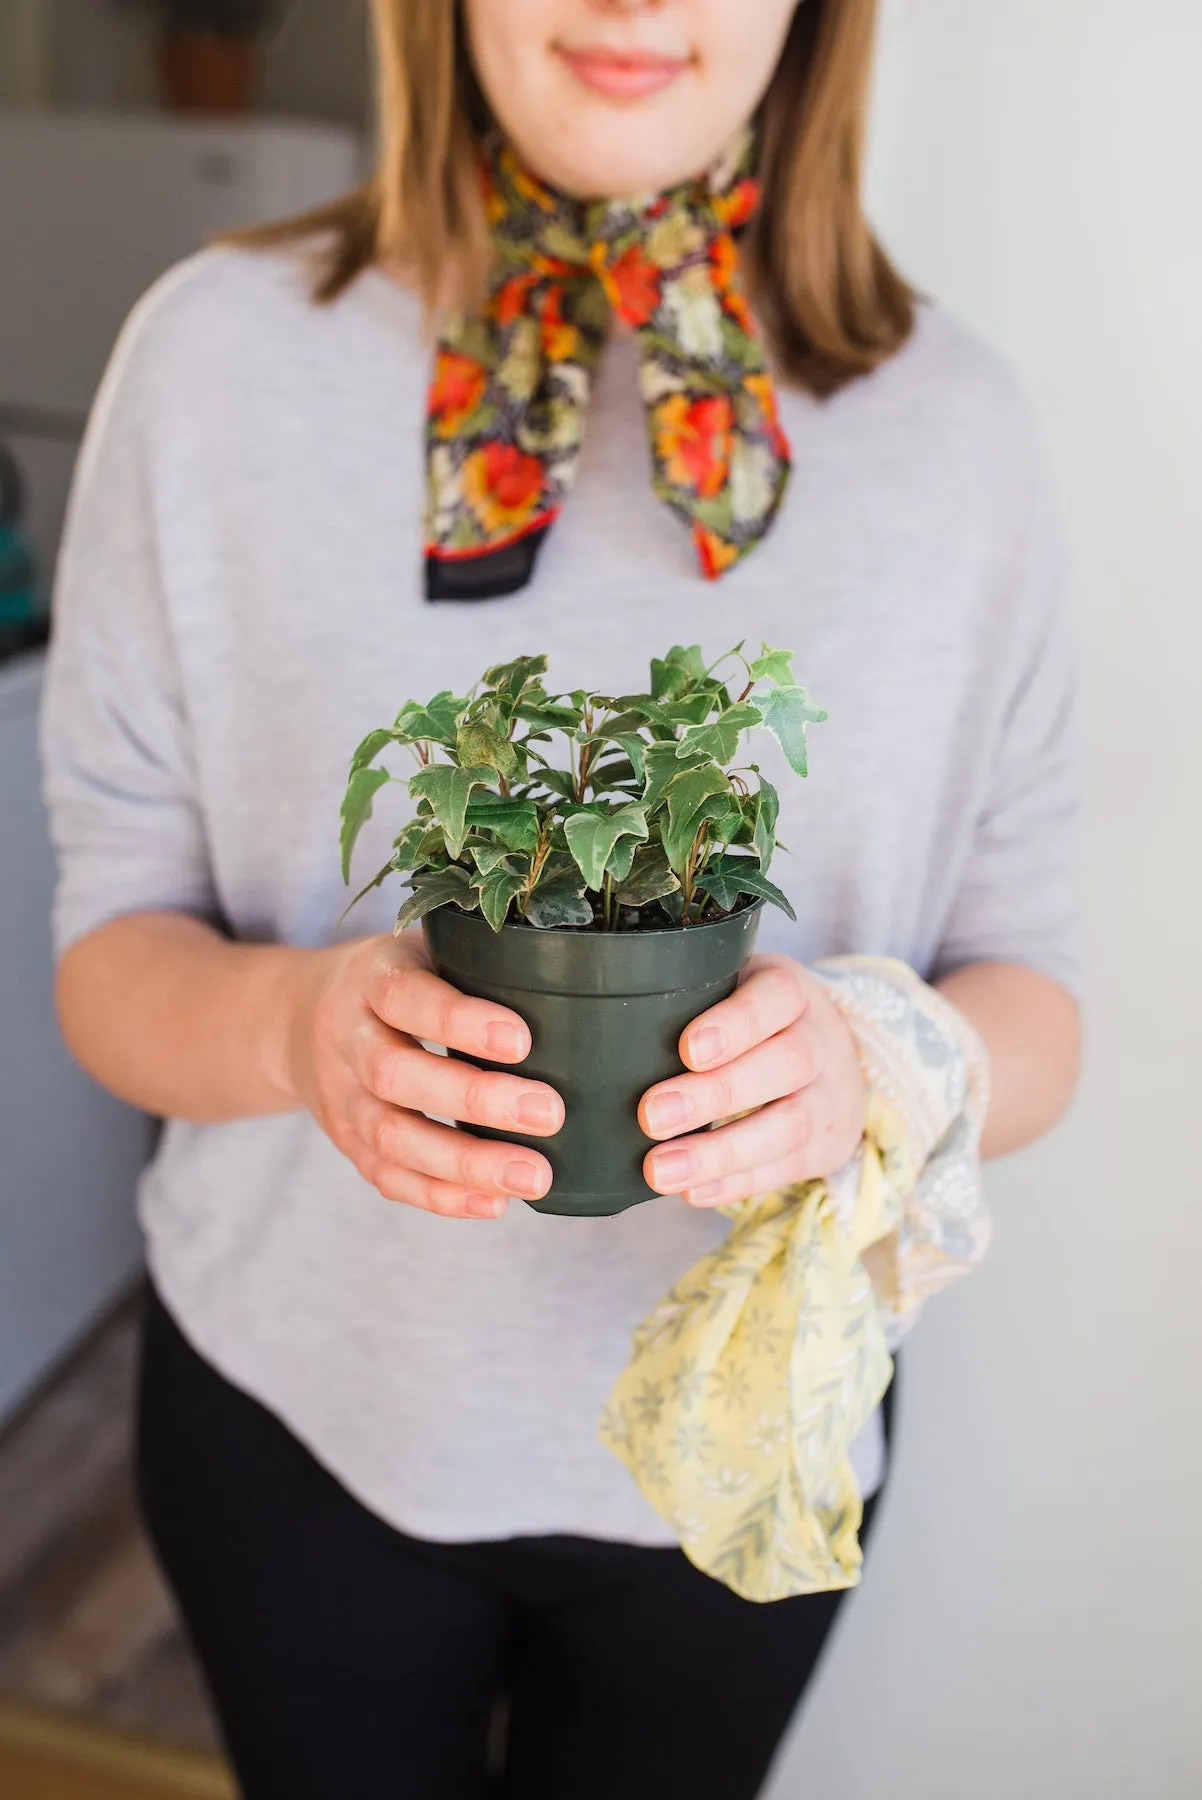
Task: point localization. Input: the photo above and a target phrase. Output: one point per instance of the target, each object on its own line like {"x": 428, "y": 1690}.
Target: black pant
{"x": 349, "y": 1662}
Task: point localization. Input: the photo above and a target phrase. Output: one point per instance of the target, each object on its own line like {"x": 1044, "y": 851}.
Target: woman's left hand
{"x": 780, "y": 1045}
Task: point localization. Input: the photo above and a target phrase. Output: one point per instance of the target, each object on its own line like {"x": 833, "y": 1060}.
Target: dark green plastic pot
{"x": 605, "y": 1011}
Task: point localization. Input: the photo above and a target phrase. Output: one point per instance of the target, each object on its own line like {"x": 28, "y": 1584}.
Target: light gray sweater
{"x": 240, "y": 600}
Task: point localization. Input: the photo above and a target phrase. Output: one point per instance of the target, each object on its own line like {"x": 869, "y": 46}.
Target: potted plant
{"x": 209, "y": 51}
{"x": 608, "y": 894}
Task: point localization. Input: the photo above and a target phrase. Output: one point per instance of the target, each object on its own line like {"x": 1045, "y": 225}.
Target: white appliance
{"x": 92, "y": 209}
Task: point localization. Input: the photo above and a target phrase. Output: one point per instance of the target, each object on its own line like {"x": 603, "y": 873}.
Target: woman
{"x": 367, "y": 1442}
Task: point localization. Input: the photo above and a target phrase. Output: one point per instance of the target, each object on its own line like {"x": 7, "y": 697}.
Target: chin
{"x": 616, "y": 154}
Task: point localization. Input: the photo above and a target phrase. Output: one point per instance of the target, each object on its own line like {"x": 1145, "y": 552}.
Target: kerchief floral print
{"x": 511, "y": 382}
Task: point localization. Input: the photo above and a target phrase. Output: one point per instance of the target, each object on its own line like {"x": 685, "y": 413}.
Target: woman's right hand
{"x": 357, "y": 1064}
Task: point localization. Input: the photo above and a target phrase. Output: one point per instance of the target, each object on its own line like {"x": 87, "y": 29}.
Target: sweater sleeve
{"x": 119, "y": 773}
{"x": 1018, "y": 896}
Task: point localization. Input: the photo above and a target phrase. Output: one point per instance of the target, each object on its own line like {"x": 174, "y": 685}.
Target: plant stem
{"x": 582, "y": 777}
{"x": 609, "y": 900}
{"x": 696, "y": 857}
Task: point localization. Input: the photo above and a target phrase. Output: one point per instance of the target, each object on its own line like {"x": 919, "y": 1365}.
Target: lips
{"x": 623, "y": 74}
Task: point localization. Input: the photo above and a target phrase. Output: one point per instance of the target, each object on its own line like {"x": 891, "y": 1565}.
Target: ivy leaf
{"x": 620, "y": 858}
{"x": 691, "y": 788}
{"x": 488, "y": 857}
{"x": 361, "y": 790}
{"x": 622, "y": 723}
{"x": 478, "y": 744}
{"x": 437, "y": 887}
{"x": 545, "y": 716}
{"x": 559, "y": 782}
{"x": 409, "y": 850}
{"x": 636, "y": 751}
{"x": 371, "y": 747}
{"x": 632, "y": 710}
{"x": 663, "y": 764}
{"x": 447, "y": 789}
{"x": 375, "y": 882}
{"x": 591, "y": 837}
{"x": 615, "y": 776}
{"x": 720, "y": 738}
{"x": 726, "y": 820}
{"x": 433, "y": 847}
{"x": 511, "y": 677}
{"x": 728, "y": 877}
{"x": 557, "y": 902}
{"x": 787, "y": 711}
{"x": 678, "y": 840}
{"x": 672, "y": 674}
{"x": 498, "y": 889}
{"x": 693, "y": 709}
{"x": 436, "y": 722}
{"x": 649, "y": 879}
{"x": 767, "y": 812}
{"x": 513, "y": 823}
{"x": 773, "y": 665}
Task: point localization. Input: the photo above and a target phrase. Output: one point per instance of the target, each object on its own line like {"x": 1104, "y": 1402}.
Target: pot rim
{"x": 582, "y": 933}
{"x": 570, "y": 960}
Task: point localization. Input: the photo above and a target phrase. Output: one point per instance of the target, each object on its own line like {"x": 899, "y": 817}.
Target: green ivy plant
{"x": 644, "y": 819}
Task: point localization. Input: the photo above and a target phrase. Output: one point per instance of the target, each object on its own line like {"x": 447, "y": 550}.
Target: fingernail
{"x": 525, "y": 1179}
{"x": 672, "y": 1169}
{"x": 667, "y": 1113}
{"x": 503, "y": 1042}
{"x": 706, "y": 1045}
{"x": 709, "y": 1191}
{"x": 485, "y": 1206}
{"x": 538, "y": 1111}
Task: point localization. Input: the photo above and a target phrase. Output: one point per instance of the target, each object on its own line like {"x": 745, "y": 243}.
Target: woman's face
{"x": 615, "y": 97}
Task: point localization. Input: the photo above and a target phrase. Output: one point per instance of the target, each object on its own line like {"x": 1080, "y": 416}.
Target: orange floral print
{"x": 561, "y": 340}
{"x": 715, "y": 553}
{"x": 503, "y": 486}
{"x": 692, "y": 440}
{"x": 512, "y": 298}
{"x": 634, "y": 285}
{"x": 762, "y": 389}
{"x": 455, "y": 391}
{"x": 724, "y": 261}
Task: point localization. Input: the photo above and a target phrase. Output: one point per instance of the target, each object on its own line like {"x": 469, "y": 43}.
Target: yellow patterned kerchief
{"x": 749, "y": 1381}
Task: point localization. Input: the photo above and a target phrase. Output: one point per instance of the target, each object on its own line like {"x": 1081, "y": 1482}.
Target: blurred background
{"x": 1031, "y": 1624}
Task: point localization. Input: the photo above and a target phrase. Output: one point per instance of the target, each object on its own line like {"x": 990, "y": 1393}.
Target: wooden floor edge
{"x": 112, "y": 1752}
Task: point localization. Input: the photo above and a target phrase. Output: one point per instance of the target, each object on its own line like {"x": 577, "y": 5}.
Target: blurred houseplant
{"x": 210, "y": 51}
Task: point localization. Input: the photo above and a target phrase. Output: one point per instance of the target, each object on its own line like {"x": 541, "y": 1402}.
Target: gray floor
{"x": 86, "y": 1625}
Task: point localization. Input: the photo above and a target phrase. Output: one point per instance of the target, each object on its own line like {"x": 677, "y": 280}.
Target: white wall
{"x": 1033, "y": 1623}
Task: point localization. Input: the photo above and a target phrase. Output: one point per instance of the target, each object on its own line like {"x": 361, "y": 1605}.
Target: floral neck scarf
{"x": 511, "y": 383}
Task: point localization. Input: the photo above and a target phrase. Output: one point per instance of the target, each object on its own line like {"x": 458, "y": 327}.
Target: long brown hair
{"x": 830, "y": 302}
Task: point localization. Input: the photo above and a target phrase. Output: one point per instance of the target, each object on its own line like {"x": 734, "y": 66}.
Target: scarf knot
{"x": 512, "y": 380}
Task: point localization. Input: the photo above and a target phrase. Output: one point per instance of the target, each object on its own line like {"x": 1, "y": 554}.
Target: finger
{"x": 766, "y": 1136}
{"x": 768, "y": 1001}
{"x": 786, "y": 1172}
{"x": 785, "y": 1063}
{"x": 429, "y": 1195}
{"x": 406, "y": 1140}
{"x": 404, "y": 1074}
{"x": 416, "y": 1001}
